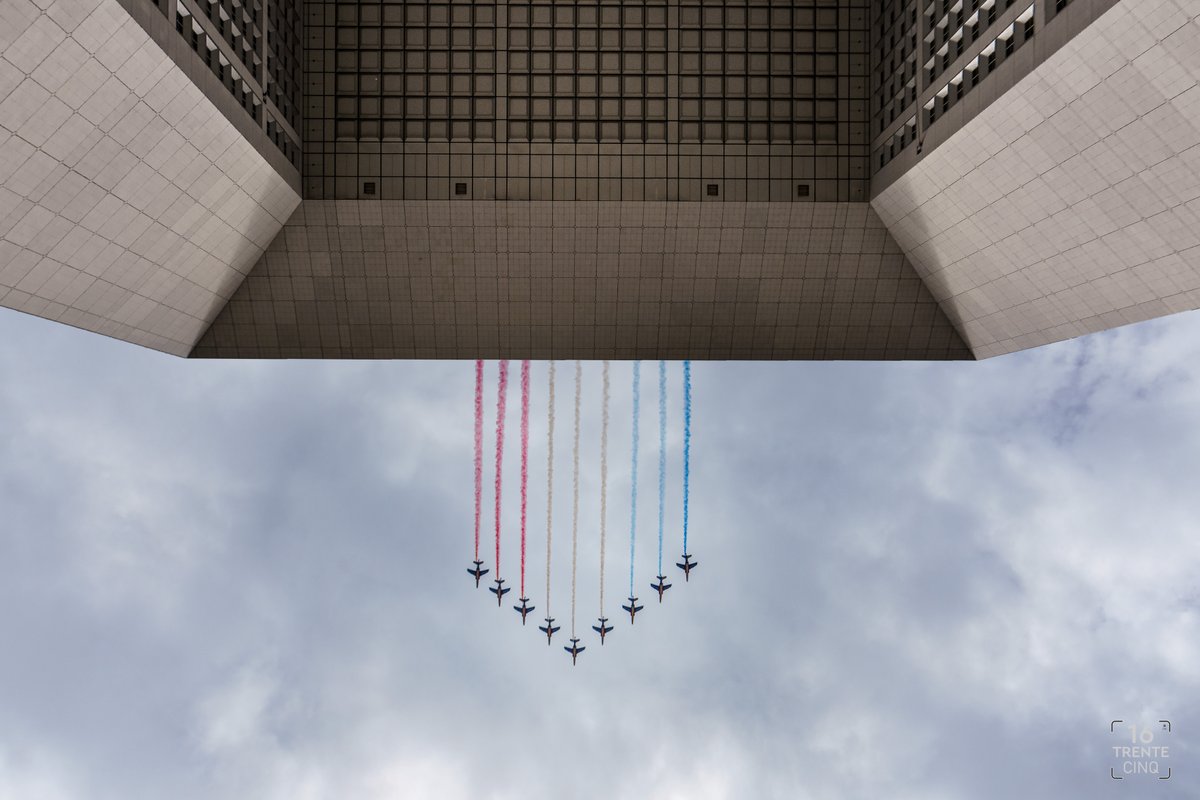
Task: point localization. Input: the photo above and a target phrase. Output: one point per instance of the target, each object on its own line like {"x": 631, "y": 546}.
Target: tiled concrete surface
{"x": 128, "y": 205}
{"x": 1072, "y": 203}
{"x": 485, "y": 279}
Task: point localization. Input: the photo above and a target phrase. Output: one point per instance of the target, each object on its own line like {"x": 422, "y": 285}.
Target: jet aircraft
{"x": 602, "y": 628}
{"x": 478, "y": 572}
{"x": 687, "y": 566}
{"x": 661, "y": 586}
{"x": 632, "y": 608}
{"x": 574, "y": 650}
{"x": 548, "y": 629}
{"x": 499, "y": 590}
{"x": 523, "y": 609}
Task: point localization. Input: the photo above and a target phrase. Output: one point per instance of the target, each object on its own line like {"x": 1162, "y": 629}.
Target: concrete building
{"x": 746, "y": 179}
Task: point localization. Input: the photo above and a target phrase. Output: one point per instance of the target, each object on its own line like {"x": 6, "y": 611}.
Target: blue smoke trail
{"x": 662, "y": 453}
{"x": 637, "y": 402}
{"x": 687, "y": 443}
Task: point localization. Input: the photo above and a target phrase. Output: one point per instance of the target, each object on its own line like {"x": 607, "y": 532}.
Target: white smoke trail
{"x": 575, "y": 510}
{"x": 549, "y": 482}
{"x": 603, "y": 485}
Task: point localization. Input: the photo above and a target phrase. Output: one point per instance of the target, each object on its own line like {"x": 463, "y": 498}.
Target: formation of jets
{"x": 603, "y": 628}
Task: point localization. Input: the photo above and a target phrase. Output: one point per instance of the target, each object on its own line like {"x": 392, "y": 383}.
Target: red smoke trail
{"x": 524, "y": 461}
{"x": 478, "y": 449}
{"x": 503, "y": 389}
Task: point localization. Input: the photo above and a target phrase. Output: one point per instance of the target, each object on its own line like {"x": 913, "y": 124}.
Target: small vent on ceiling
{"x": 801, "y": 190}
{"x": 712, "y": 190}
{"x": 460, "y": 188}
{"x": 369, "y": 187}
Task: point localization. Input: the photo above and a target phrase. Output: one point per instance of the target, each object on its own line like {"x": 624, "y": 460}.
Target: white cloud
{"x": 911, "y": 583}
{"x": 232, "y": 716}
{"x": 35, "y": 775}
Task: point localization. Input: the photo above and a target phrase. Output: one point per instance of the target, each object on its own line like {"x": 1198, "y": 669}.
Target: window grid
{"x": 592, "y": 100}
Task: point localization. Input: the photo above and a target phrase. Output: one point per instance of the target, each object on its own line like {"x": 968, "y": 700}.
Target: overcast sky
{"x": 247, "y": 579}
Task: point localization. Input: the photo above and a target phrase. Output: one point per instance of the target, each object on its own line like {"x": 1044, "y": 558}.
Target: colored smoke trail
{"x": 549, "y": 481}
{"x": 503, "y": 389}
{"x": 603, "y": 485}
{"x": 524, "y": 461}
{"x": 478, "y": 449}
{"x": 575, "y": 510}
{"x": 633, "y": 481}
{"x": 687, "y": 443}
{"x": 662, "y": 453}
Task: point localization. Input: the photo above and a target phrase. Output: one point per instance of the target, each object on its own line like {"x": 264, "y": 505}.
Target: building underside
{"x": 752, "y": 179}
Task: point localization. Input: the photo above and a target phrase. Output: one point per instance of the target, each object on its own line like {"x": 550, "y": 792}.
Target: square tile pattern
{"x": 588, "y": 219}
{"x": 588, "y": 100}
{"x": 491, "y": 279}
{"x": 1072, "y": 203}
{"x": 129, "y": 205}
